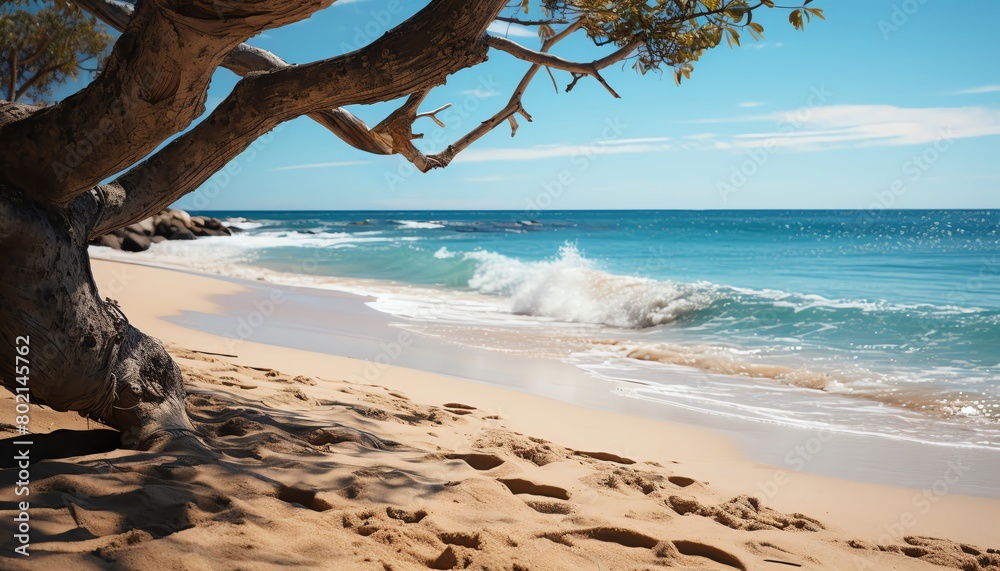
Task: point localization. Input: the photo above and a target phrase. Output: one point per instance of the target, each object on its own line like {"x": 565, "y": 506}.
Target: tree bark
{"x": 84, "y": 356}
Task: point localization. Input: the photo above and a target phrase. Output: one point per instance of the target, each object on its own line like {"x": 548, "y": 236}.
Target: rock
{"x": 180, "y": 233}
{"x": 136, "y": 228}
{"x": 163, "y": 226}
{"x": 135, "y": 241}
{"x": 170, "y": 224}
{"x": 184, "y": 217}
{"x": 214, "y": 224}
{"x": 147, "y": 226}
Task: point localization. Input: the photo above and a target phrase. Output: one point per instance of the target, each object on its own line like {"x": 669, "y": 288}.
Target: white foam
{"x": 417, "y": 225}
{"x": 569, "y": 288}
{"x": 444, "y": 253}
{"x": 242, "y": 223}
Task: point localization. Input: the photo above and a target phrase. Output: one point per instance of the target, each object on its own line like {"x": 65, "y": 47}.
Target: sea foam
{"x": 570, "y": 288}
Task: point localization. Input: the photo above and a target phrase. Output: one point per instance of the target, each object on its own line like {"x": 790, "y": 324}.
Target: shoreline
{"x": 690, "y": 369}
{"x": 703, "y": 450}
{"x": 311, "y": 318}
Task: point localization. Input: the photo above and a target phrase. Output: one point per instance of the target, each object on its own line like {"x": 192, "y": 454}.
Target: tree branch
{"x": 577, "y": 68}
{"x": 514, "y": 105}
{"x": 520, "y": 22}
{"x": 12, "y": 83}
{"x": 246, "y": 59}
{"x": 444, "y": 37}
{"x": 41, "y": 50}
{"x": 154, "y": 85}
{"x": 38, "y": 76}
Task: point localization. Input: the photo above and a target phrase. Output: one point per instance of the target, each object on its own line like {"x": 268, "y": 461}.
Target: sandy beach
{"x": 328, "y": 462}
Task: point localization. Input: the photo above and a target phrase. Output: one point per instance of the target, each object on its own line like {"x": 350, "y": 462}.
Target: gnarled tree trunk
{"x": 84, "y": 355}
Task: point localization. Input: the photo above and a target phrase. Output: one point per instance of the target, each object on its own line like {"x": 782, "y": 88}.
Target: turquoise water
{"x": 900, "y": 309}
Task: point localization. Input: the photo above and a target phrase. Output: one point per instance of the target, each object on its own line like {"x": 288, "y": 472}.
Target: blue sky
{"x": 888, "y": 103}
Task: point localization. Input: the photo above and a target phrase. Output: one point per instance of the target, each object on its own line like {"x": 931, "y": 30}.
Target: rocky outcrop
{"x": 168, "y": 224}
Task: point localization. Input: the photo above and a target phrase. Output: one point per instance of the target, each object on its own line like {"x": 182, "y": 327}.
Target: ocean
{"x": 871, "y": 322}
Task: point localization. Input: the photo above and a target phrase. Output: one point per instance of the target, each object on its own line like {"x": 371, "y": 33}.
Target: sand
{"x": 311, "y": 463}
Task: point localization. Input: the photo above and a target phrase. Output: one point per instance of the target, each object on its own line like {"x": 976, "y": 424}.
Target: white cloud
{"x": 817, "y": 129}
{"x": 978, "y": 90}
{"x": 750, "y": 104}
{"x": 512, "y": 30}
{"x": 862, "y": 126}
{"x": 597, "y": 148}
{"x": 321, "y": 165}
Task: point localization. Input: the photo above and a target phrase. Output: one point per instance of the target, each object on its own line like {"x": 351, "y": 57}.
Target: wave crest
{"x": 570, "y": 288}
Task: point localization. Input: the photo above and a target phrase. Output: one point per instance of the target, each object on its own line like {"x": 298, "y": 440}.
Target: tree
{"x": 84, "y": 355}
{"x": 45, "y": 44}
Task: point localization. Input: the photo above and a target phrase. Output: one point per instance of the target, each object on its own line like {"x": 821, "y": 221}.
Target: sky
{"x": 886, "y": 104}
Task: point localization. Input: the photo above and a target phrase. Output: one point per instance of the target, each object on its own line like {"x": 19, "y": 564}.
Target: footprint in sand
{"x": 303, "y": 497}
{"x": 478, "y": 461}
{"x": 680, "y": 481}
{"x": 606, "y": 457}
{"x": 621, "y": 536}
{"x": 469, "y": 540}
{"x": 698, "y": 549}
{"x": 458, "y": 405}
{"x": 519, "y": 486}
{"x": 677, "y": 549}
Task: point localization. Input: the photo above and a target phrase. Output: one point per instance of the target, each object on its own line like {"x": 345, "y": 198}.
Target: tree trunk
{"x": 84, "y": 356}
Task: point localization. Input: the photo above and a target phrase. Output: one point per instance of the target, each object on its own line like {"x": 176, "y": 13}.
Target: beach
{"x": 326, "y": 461}
{"x": 345, "y": 286}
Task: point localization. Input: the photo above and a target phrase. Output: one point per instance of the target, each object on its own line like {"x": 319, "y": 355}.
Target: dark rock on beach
{"x": 168, "y": 224}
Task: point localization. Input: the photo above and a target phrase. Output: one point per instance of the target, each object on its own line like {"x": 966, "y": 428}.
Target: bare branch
{"x": 520, "y": 22}
{"x": 433, "y": 114}
{"x": 578, "y": 68}
{"x": 514, "y": 105}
